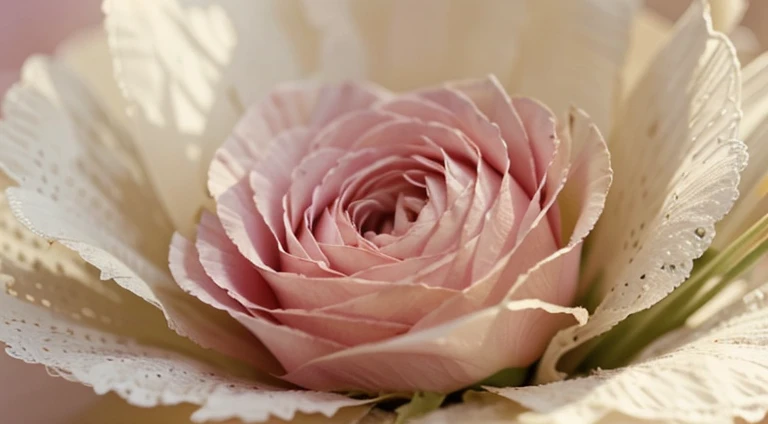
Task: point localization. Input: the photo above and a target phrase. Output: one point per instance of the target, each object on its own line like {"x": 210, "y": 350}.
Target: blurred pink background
{"x": 37, "y": 26}
{"x": 27, "y": 394}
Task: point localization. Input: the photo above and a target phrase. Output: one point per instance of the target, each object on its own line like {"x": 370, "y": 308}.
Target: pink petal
{"x": 303, "y": 292}
{"x": 191, "y": 277}
{"x": 228, "y": 269}
{"x": 550, "y": 159}
{"x": 475, "y": 125}
{"x": 287, "y": 107}
{"x": 583, "y": 197}
{"x": 291, "y": 347}
{"x": 345, "y": 131}
{"x": 501, "y": 225}
{"x": 246, "y": 227}
{"x": 350, "y": 260}
{"x": 336, "y": 100}
{"x": 348, "y": 331}
{"x": 492, "y": 100}
{"x": 271, "y": 179}
{"x": 442, "y": 359}
{"x": 401, "y": 303}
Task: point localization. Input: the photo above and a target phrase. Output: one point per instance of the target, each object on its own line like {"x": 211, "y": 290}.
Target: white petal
{"x": 753, "y": 202}
{"x": 715, "y": 374}
{"x": 80, "y": 183}
{"x": 726, "y": 14}
{"x": 573, "y": 52}
{"x": 114, "y": 410}
{"x": 676, "y": 172}
{"x": 54, "y": 311}
{"x": 414, "y": 44}
{"x": 190, "y": 69}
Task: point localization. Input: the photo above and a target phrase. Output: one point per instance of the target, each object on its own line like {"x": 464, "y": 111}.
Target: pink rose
{"x": 378, "y": 241}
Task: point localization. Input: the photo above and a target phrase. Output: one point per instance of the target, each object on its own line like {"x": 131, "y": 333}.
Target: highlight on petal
{"x": 573, "y": 53}
{"x": 187, "y": 70}
{"x": 657, "y": 222}
{"x": 99, "y": 204}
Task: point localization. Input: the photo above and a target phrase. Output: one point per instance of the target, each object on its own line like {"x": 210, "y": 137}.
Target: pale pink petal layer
{"x": 442, "y": 359}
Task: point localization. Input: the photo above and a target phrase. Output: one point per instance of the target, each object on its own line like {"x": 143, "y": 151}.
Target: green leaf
{"x": 508, "y": 377}
{"x": 420, "y": 404}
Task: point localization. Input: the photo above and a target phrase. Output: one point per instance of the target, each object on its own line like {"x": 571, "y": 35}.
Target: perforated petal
{"x": 80, "y": 183}
{"x": 714, "y": 373}
{"x": 54, "y": 311}
{"x": 676, "y": 172}
{"x": 753, "y": 188}
{"x": 186, "y": 69}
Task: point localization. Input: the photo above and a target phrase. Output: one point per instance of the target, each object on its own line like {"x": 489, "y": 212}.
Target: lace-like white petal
{"x": 753, "y": 202}
{"x": 54, "y": 311}
{"x": 716, "y": 373}
{"x": 573, "y": 54}
{"x": 80, "y": 183}
{"x": 676, "y": 172}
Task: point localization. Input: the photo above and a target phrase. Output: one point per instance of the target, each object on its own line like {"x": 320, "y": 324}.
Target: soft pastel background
{"x": 27, "y": 394}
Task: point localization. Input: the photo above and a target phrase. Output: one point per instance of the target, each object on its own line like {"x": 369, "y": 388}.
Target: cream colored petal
{"x": 753, "y": 202}
{"x": 87, "y": 53}
{"x": 113, "y": 410}
{"x": 649, "y": 33}
{"x": 715, "y": 373}
{"x": 572, "y": 53}
{"x": 189, "y": 69}
{"x": 81, "y": 184}
{"x": 54, "y": 311}
{"x": 676, "y": 172}
{"x": 726, "y": 14}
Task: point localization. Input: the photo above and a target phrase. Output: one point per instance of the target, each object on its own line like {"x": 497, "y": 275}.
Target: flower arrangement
{"x": 386, "y": 211}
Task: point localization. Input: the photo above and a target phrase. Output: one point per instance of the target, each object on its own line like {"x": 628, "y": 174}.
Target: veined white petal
{"x": 572, "y": 53}
{"x": 415, "y": 44}
{"x": 676, "y": 172}
{"x": 715, "y": 373}
{"x": 190, "y": 69}
{"x": 753, "y": 202}
{"x": 111, "y": 409}
{"x": 726, "y": 14}
{"x": 87, "y": 53}
{"x": 81, "y": 184}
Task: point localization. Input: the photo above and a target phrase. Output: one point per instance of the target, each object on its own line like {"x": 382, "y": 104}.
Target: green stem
{"x": 625, "y": 340}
